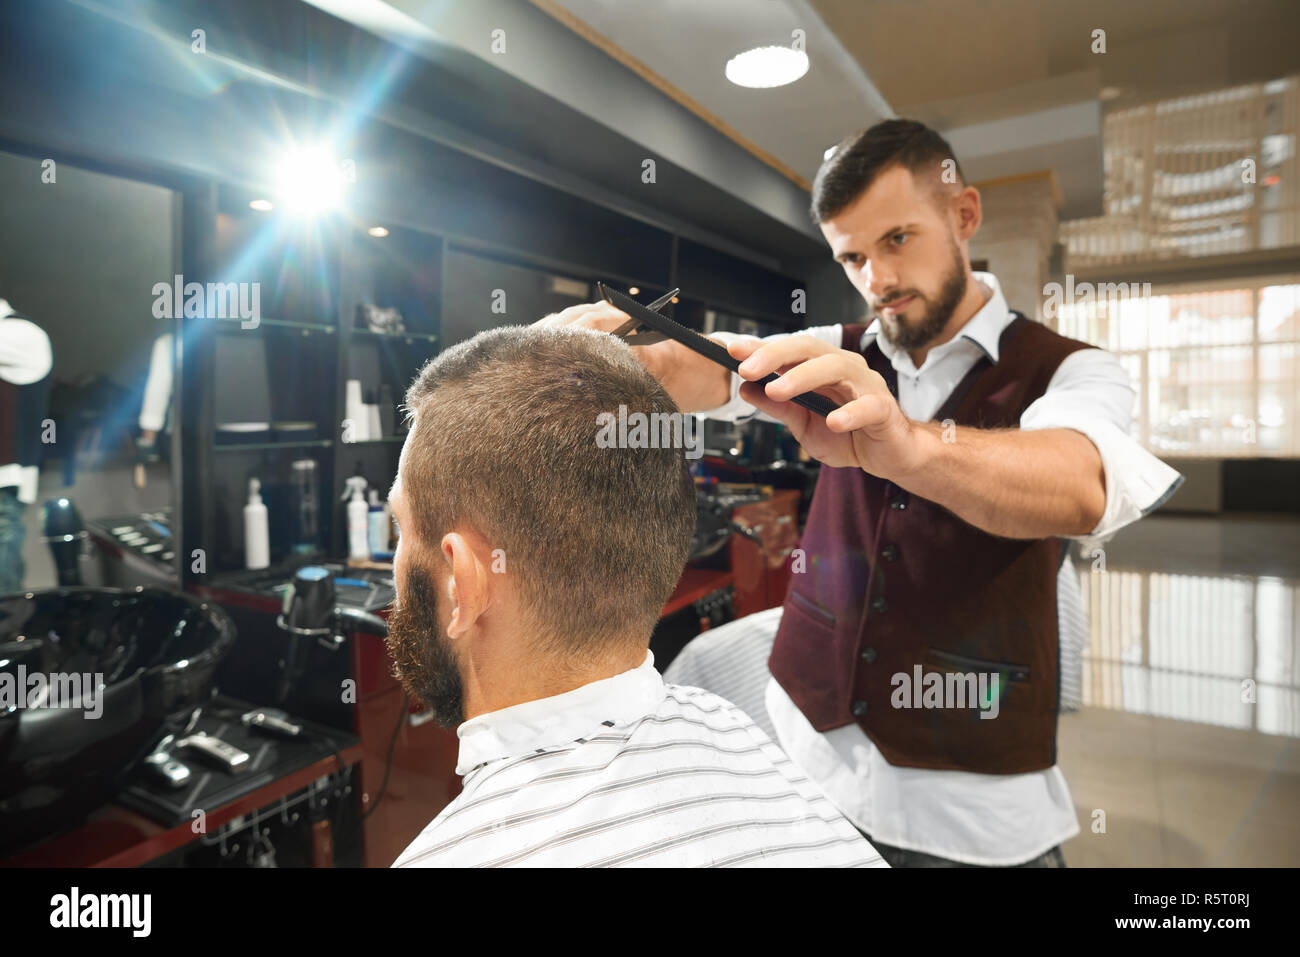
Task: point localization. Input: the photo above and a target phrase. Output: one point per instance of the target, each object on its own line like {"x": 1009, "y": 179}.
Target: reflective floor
{"x": 1185, "y": 753}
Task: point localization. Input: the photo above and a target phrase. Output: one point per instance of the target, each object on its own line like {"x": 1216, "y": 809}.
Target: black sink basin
{"x": 156, "y": 650}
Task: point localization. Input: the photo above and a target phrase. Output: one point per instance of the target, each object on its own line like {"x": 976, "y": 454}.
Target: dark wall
{"x": 1261, "y": 485}
{"x": 471, "y": 285}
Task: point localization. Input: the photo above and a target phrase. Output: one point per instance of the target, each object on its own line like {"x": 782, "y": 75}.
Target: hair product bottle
{"x": 257, "y": 539}
{"x": 358, "y": 512}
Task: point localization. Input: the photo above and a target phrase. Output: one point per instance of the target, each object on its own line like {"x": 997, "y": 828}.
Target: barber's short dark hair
{"x": 862, "y": 156}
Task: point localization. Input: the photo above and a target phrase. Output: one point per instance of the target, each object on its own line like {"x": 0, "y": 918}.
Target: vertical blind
{"x": 1195, "y": 176}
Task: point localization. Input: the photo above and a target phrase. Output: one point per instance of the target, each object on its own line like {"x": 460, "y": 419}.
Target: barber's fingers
{"x": 760, "y": 357}
{"x": 794, "y": 417}
{"x": 588, "y": 315}
{"x": 849, "y": 381}
{"x": 868, "y": 413}
{"x": 833, "y": 374}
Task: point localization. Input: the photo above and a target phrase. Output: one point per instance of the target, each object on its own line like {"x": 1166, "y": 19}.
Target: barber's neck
{"x": 976, "y": 295}
{"x": 501, "y": 674}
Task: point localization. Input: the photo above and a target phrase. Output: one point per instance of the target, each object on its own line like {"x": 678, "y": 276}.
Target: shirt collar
{"x": 562, "y": 718}
{"x": 984, "y": 329}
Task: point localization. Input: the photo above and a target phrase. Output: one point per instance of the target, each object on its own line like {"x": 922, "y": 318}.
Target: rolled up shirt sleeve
{"x": 25, "y": 353}
{"x": 1091, "y": 394}
{"x": 158, "y": 386}
{"x": 736, "y": 409}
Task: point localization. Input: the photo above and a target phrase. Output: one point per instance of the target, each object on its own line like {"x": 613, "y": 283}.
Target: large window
{"x": 1217, "y": 367}
{"x": 1201, "y": 175}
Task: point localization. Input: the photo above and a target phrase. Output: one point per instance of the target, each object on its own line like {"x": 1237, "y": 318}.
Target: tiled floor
{"x": 1171, "y": 762}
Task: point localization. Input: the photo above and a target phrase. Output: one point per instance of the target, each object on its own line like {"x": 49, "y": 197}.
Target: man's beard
{"x": 425, "y": 663}
{"x": 908, "y": 336}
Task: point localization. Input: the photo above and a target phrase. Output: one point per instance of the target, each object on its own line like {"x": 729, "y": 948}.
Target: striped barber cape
{"x": 629, "y": 771}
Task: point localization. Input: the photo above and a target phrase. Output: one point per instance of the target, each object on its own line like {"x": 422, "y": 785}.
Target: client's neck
{"x": 497, "y": 682}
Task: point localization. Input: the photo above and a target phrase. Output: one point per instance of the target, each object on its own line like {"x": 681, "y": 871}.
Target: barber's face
{"x": 417, "y": 629}
{"x": 900, "y": 251}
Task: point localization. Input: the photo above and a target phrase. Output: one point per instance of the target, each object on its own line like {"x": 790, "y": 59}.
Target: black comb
{"x": 705, "y": 347}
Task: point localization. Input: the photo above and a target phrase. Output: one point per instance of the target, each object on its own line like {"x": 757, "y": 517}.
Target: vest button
{"x": 859, "y": 709}
{"x": 899, "y": 503}
{"x": 879, "y": 604}
{"x": 869, "y": 655}
{"x": 889, "y": 552}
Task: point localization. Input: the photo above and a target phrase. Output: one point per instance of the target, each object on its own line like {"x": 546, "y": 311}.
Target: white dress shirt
{"x": 25, "y": 357}
{"x": 989, "y": 819}
{"x": 628, "y": 771}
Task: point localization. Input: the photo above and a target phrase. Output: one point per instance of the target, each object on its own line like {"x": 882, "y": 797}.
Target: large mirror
{"x": 87, "y": 364}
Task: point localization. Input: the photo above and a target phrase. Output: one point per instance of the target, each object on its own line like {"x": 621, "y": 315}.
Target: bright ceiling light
{"x": 261, "y": 205}
{"x": 634, "y": 290}
{"x": 766, "y": 67}
{"x": 310, "y": 181}
{"x": 377, "y": 231}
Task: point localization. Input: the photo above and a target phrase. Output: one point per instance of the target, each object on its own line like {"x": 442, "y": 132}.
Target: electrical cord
{"x": 388, "y": 764}
{"x": 342, "y": 775}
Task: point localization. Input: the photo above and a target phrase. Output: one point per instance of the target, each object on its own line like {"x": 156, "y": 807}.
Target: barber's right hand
{"x": 694, "y": 382}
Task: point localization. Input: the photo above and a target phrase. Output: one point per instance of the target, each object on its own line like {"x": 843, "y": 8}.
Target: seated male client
{"x": 532, "y": 568}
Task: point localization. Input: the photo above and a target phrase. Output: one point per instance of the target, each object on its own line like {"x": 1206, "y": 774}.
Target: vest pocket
{"x": 961, "y": 662}
{"x": 807, "y": 605}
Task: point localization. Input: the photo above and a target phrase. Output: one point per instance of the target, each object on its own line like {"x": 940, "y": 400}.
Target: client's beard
{"x": 934, "y": 320}
{"x": 425, "y": 663}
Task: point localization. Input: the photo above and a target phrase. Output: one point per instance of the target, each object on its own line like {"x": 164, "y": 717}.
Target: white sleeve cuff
{"x": 25, "y": 354}
{"x": 735, "y": 409}
{"x": 1137, "y": 483}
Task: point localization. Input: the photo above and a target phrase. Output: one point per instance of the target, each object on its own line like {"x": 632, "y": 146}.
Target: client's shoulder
{"x": 687, "y": 709}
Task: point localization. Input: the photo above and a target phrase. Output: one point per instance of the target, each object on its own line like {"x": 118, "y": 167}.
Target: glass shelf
{"x": 271, "y": 446}
{"x": 410, "y": 337}
{"x": 236, "y": 325}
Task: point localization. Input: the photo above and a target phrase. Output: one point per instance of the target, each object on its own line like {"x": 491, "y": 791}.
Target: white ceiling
{"x": 688, "y": 43}
{"x": 1014, "y": 84}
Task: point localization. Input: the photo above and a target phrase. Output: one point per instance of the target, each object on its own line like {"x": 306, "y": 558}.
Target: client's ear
{"x": 467, "y": 582}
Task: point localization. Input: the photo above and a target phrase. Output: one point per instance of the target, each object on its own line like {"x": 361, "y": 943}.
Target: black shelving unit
{"x": 402, "y": 270}
{"x": 280, "y": 370}
{"x": 295, "y": 364}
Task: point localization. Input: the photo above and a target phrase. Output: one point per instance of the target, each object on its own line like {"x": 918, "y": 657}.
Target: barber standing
{"x": 25, "y": 363}
{"x": 970, "y": 443}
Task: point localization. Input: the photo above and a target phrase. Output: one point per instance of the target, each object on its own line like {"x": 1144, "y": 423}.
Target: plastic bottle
{"x": 358, "y": 512}
{"x": 257, "y": 539}
{"x": 378, "y": 526}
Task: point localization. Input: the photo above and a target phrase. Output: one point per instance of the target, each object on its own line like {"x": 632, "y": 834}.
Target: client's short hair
{"x": 504, "y": 443}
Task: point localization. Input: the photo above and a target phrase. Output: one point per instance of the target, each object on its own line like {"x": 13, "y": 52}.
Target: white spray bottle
{"x": 377, "y": 528}
{"x": 257, "y": 540}
{"x": 358, "y": 517}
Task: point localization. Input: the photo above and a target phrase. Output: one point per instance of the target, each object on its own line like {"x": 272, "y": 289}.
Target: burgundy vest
{"x": 896, "y": 585}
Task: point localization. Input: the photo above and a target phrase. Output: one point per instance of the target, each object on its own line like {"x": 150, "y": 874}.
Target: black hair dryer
{"x": 65, "y": 533}
{"x": 308, "y": 612}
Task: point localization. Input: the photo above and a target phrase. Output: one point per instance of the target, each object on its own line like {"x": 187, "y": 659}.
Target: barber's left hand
{"x": 869, "y": 431}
